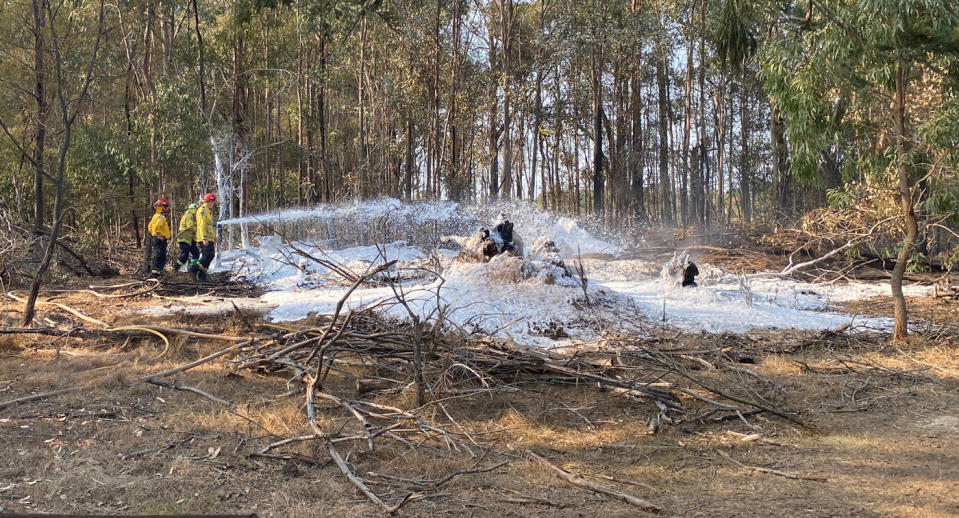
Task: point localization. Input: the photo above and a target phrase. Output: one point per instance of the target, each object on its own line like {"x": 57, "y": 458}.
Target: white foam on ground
{"x": 626, "y": 296}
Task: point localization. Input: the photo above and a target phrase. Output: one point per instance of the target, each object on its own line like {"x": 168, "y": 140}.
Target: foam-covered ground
{"x": 530, "y": 299}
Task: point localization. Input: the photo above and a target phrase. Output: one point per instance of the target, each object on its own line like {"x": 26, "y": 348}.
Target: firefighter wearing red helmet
{"x": 205, "y": 238}
{"x": 160, "y": 230}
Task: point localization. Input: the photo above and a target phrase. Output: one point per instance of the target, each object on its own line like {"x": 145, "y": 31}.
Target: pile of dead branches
{"x": 863, "y": 227}
{"x": 436, "y": 366}
{"x": 408, "y": 372}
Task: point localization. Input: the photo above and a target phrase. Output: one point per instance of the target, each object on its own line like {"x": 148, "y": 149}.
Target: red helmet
{"x": 209, "y": 197}
{"x": 162, "y": 202}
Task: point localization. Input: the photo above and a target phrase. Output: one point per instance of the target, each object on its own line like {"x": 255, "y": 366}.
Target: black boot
{"x": 192, "y": 268}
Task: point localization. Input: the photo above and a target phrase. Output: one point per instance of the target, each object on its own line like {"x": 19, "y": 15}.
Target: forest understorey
{"x": 103, "y": 410}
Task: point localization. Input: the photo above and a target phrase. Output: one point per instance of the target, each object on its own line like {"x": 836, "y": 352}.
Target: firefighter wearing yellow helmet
{"x": 160, "y": 230}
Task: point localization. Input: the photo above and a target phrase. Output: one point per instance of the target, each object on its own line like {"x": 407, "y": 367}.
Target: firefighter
{"x": 205, "y": 238}
{"x": 689, "y": 274}
{"x": 505, "y": 231}
{"x": 186, "y": 238}
{"x": 160, "y": 230}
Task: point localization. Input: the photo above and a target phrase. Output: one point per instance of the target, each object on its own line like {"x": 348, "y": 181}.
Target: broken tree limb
{"x": 187, "y": 388}
{"x": 64, "y": 307}
{"x": 579, "y": 481}
{"x": 27, "y": 399}
{"x": 73, "y": 253}
{"x": 367, "y": 427}
{"x": 772, "y": 471}
{"x": 146, "y": 378}
{"x": 361, "y": 485}
{"x": 201, "y": 361}
{"x": 790, "y": 268}
{"x": 762, "y": 406}
{"x": 231, "y": 407}
{"x": 433, "y": 484}
{"x": 860, "y": 238}
{"x": 50, "y": 331}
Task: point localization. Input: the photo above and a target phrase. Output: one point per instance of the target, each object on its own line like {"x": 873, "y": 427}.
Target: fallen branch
{"x": 149, "y": 377}
{"x": 361, "y": 485}
{"x": 579, "y": 481}
{"x": 772, "y": 471}
{"x": 187, "y": 388}
{"x": 64, "y": 307}
{"x": 35, "y": 397}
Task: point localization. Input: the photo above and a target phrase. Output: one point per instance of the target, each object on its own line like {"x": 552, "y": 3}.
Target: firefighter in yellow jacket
{"x": 186, "y": 238}
{"x": 205, "y": 238}
{"x": 160, "y": 230}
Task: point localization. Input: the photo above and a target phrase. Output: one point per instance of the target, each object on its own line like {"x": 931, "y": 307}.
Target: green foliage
{"x": 840, "y": 198}
{"x": 917, "y": 262}
{"x": 735, "y": 40}
{"x": 834, "y": 79}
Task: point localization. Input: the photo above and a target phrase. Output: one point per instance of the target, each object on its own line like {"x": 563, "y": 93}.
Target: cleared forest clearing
{"x": 881, "y": 435}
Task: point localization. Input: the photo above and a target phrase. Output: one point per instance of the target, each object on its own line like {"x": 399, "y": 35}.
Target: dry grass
{"x": 889, "y": 442}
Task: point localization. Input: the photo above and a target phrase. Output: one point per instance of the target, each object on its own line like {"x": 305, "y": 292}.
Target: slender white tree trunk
{"x": 221, "y": 181}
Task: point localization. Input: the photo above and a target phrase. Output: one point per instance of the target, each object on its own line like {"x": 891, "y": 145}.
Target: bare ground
{"x": 887, "y": 441}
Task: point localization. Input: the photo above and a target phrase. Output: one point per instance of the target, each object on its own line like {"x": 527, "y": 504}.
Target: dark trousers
{"x": 206, "y": 255}
{"x": 187, "y": 251}
{"x": 159, "y": 254}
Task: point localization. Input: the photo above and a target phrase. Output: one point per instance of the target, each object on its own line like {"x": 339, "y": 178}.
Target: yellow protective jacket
{"x": 187, "y": 230}
{"x": 159, "y": 226}
{"x": 204, "y": 224}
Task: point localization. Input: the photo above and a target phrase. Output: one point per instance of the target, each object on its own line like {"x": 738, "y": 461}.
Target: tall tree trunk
{"x": 729, "y": 157}
{"x": 720, "y": 131}
{"x": 538, "y": 138}
{"x": 300, "y": 111}
{"x": 199, "y": 41}
{"x": 910, "y": 225}
{"x": 361, "y": 124}
{"x": 148, "y": 80}
{"x": 777, "y": 135}
{"x": 636, "y": 148}
{"x": 311, "y": 190}
{"x": 557, "y": 182}
{"x": 436, "y": 150}
{"x": 702, "y": 215}
{"x": 744, "y": 172}
{"x": 408, "y": 180}
{"x": 598, "y": 185}
{"x": 131, "y": 178}
{"x": 455, "y": 170}
{"x": 618, "y": 175}
{"x": 493, "y": 128}
{"x": 321, "y": 119}
{"x": 538, "y": 150}
{"x": 67, "y": 118}
{"x": 39, "y": 71}
{"x": 239, "y": 126}
{"x": 507, "y": 12}
{"x": 666, "y": 213}
{"x": 687, "y": 119}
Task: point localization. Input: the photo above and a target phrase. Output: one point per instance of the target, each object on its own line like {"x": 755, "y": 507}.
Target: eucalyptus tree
{"x": 887, "y": 68}
{"x": 585, "y": 29}
{"x": 735, "y": 45}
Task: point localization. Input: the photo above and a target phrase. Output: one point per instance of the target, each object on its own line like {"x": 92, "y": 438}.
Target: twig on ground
{"x": 579, "y": 481}
{"x": 772, "y": 471}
